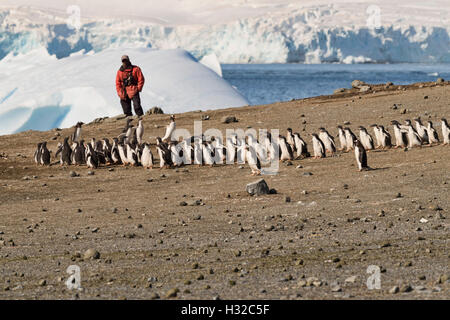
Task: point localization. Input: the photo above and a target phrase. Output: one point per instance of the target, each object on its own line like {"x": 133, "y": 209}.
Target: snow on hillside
{"x": 239, "y": 31}
{"x": 38, "y": 91}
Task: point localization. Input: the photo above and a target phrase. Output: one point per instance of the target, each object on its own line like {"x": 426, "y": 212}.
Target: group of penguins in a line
{"x": 129, "y": 149}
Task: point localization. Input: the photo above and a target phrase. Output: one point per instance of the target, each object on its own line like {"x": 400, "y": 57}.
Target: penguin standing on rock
{"x": 360, "y": 155}
{"x": 318, "y": 147}
{"x": 445, "y": 131}
{"x": 45, "y": 154}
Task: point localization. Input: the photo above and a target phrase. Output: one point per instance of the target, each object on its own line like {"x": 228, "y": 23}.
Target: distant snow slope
{"x": 239, "y": 31}
{"x": 38, "y": 91}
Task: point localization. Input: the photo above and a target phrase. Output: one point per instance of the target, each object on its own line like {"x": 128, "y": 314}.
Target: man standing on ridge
{"x": 129, "y": 82}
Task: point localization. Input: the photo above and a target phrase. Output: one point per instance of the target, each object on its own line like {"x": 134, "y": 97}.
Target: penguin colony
{"x": 130, "y": 149}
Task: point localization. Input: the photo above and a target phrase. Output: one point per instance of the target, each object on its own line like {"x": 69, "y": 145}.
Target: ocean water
{"x": 268, "y": 83}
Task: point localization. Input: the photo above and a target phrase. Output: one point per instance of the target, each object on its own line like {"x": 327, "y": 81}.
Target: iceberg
{"x": 40, "y": 92}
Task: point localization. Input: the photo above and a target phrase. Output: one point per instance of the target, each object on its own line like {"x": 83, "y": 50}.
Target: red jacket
{"x": 135, "y": 87}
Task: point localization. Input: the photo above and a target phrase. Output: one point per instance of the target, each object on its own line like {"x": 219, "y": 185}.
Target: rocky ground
{"x": 194, "y": 233}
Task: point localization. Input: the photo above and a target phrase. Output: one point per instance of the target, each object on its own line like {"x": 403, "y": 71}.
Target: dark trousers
{"x": 126, "y": 105}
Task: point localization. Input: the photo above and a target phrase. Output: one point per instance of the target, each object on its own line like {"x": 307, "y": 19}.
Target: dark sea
{"x": 268, "y": 83}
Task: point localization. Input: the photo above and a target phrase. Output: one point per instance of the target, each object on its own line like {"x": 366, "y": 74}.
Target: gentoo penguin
{"x": 127, "y": 125}
{"x": 252, "y": 160}
{"x": 170, "y": 129}
{"x": 165, "y": 157}
{"x": 365, "y": 138}
{"x": 318, "y": 146}
{"x": 360, "y": 155}
{"x": 132, "y": 157}
{"x": 300, "y": 146}
{"x": 45, "y": 154}
{"x": 342, "y": 140}
{"x": 285, "y": 149}
{"x": 107, "y": 151}
{"x": 231, "y": 151}
{"x": 147, "y": 157}
{"x": 432, "y": 133}
{"x": 198, "y": 152}
{"x": 377, "y": 133}
{"x": 413, "y": 137}
{"x": 260, "y": 151}
{"x": 140, "y": 131}
{"x": 76, "y": 135}
{"x": 115, "y": 156}
{"x": 66, "y": 152}
{"x": 421, "y": 130}
{"x": 208, "y": 157}
{"x": 401, "y": 137}
{"x": 79, "y": 154}
{"x": 349, "y": 138}
{"x": 328, "y": 141}
{"x": 37, "y": 154}
{"x": 290, "y": 139}
{"x": 100, "y": 154}
{"x": 177, "y": 160}
{"x": 445, "y": 131}
{"x": 385, "y": 137}
{"x": 122, "y": 151}
{"x": 91, "y": 157}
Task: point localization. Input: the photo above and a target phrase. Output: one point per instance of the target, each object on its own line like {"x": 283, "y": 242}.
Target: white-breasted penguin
{"x": 76, "y": 135}
{"x": 66, "y": 152}
{"x": 164, "y": 153}
{"x": 342, "y": 140}
{"x": 377, "y": 133}
{"x": 91, "y": 157}
{"x": 360, "y": 155}
{"x": 385, "y": 137}
{"x": 401, "y": 136}
{"x": 45, "y": 154}
{"x": 37, "y": 154}
{"x": 169, "y": 129}
{"x": 231, "y": 151}
{"x": 140, "y": 131}
{"x": 328, "y": 141}
{"x": 147, "y": 157}
{"x": 421, "y": 130}
{"x": 122, "y": 151}
{"x": 177, "y": 158}
{"x": 413, "y": 137}
{"x": 318, "y": 146}
{"x": 207, "y": 151}
{"x": 115, "y": 156}
{"x": 445, "y": 131}
{"x": 290, "y": 139}
{"x": 252, "y": 160}
{"x": 198, "y": 152}
{"x": 132, "y": 155}
{"x": 285, "y": 149}
{"x": 365, "y": 138}
{"x": 432, "y": 133}
{"x": 301, "y": 146}
{"x": 349, "y": 138}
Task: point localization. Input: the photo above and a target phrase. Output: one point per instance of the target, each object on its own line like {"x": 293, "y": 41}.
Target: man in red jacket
{"x": 129, "y": 82}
